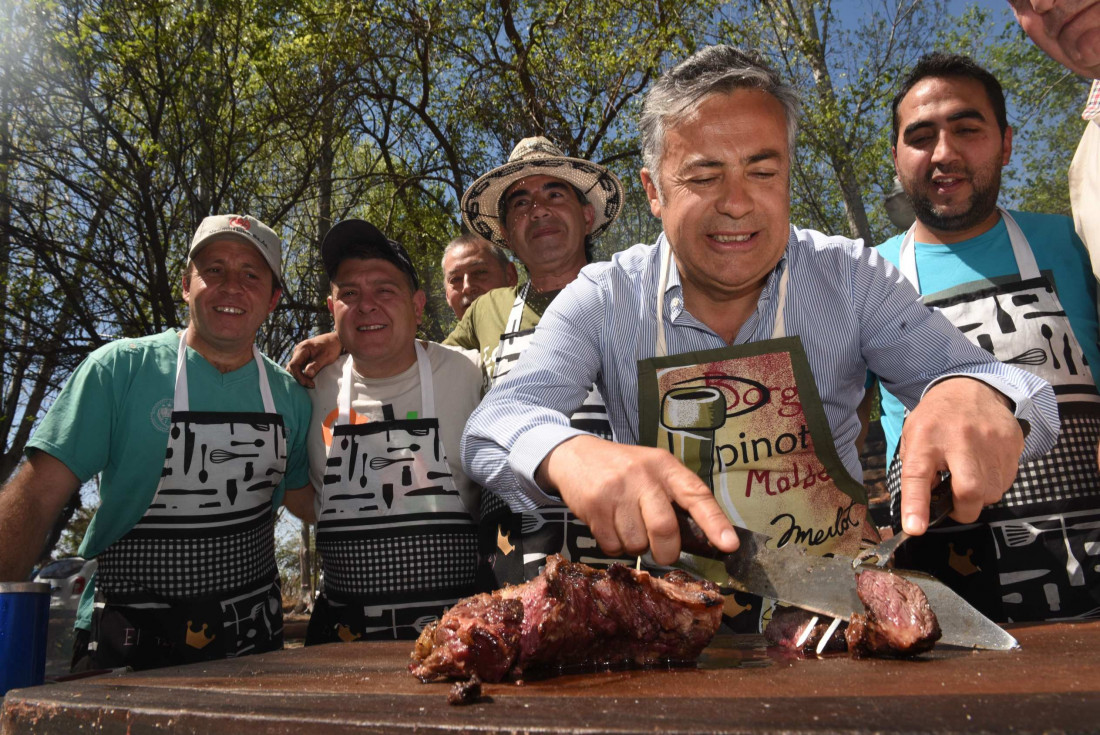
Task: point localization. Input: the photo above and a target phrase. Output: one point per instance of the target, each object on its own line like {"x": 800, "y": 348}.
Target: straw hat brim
{"x": 481, "y": 202}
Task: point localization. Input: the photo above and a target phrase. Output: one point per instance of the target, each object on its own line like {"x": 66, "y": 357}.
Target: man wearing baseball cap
{"x": 194, "y": 436}
{"x": 396, "y": 515}
{"x": 547, "y": 208}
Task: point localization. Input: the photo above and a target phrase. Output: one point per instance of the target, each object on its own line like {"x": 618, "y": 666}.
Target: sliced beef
{"x": 899, "y": 620}
{"x": 571, "y": 614}
{"x": 788, "y": 625}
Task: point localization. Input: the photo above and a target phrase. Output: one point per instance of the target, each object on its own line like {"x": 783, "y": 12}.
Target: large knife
{"x": 827, "y": 585}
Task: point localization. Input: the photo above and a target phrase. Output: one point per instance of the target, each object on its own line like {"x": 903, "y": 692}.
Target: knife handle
{"x": 692, "y": 538}
{"x": 942, "y": 501}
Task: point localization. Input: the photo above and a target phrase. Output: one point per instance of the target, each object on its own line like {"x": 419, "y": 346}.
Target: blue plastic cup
{"x": 24, "y": 622}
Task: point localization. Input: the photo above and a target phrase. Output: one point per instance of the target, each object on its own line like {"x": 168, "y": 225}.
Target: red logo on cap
{"x": 241, "y": 222}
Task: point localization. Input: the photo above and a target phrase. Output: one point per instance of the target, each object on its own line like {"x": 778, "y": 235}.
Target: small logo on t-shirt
{"x": 161, "y": 415}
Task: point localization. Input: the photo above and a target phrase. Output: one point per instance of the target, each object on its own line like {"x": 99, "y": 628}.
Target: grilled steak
{"x": 899, "y": 621}
{"x": 571, "y": 614}
{"x": 788, "y": 625}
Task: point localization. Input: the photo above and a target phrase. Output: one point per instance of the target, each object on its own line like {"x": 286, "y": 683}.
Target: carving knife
{"x": 827, "y": 585}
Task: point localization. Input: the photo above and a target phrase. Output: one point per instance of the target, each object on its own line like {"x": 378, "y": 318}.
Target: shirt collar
{"x": 1092, "y": 104}
{"x": 674, "y": 289}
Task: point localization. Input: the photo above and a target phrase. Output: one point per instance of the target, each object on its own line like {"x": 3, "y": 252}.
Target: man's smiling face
{"x": 377, "y": 314}
{"x": 949, "y": 154}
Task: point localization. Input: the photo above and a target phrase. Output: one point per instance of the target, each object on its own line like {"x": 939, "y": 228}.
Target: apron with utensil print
{"x": 748, "y": 420}
{"x": 397, "y": 544}
{"x": 195, "y": 579}
{"x": 515, "y": 545}
{"x": 1035, "y": 555}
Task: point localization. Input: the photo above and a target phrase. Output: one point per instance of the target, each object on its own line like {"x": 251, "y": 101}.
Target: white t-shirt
{"x": 457, "y": 378}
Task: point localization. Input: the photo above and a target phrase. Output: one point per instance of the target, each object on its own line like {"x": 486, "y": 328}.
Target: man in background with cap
{"x": 195, "y": 436}
{"x": 472, "y": 266}
{"x": 547, "y": 208}
{"x": 396, "y": 515}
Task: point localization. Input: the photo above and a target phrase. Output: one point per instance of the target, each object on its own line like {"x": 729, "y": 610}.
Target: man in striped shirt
{"x": 738, "y": 345}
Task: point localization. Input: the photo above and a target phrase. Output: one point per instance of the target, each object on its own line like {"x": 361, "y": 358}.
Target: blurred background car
{"x": 67, "y": 579}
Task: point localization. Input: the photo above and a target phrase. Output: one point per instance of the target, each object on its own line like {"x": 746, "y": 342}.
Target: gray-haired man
{"x": 472, "y": 266}
{"x": 736, "y": 347}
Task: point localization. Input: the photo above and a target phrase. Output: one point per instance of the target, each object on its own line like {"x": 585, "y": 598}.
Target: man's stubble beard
{"x": 982, "y": 203}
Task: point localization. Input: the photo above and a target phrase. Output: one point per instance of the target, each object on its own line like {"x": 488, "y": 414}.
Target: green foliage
{"x": 123, "y": 124}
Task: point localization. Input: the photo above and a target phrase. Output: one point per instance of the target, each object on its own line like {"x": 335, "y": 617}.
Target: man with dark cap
{"x": 396, "y": 515}
{"x": 547, "y": 208}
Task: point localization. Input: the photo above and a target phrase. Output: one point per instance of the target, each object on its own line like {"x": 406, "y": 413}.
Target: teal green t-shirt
{"x": 112, "y": 419}
{"x": 1057, "y": 249}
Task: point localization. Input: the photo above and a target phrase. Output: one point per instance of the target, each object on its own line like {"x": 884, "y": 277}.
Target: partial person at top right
{"x": 1069, "y": 32}
{"x": 1020, "y": 285}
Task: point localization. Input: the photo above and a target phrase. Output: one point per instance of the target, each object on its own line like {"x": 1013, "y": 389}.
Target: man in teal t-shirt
{"x": 193, "y": 457}
{"x": 1021, "y": 286}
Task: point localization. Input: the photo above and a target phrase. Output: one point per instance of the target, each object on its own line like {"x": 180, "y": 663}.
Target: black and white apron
{"x": 515, "y": 545}
{"x": 195, "y": 579}
{"x": 749, "y": 421}
{"x": 397, "y": 544}
{"x": 1035, "y": 555}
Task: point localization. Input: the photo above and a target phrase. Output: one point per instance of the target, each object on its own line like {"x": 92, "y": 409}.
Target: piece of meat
{"x": 899, "y": 620}
{"x": 465, "y": 692}
{"x": 479, "y": 636}
{"x": 788, "y": 624}
{"x": 571, "y": 614}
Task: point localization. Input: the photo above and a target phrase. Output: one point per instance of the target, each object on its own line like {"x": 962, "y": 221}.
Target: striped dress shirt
{"x": 851, "y": 308}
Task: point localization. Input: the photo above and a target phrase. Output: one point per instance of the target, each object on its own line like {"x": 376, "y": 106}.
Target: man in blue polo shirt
{"x": 1020, "y": 285}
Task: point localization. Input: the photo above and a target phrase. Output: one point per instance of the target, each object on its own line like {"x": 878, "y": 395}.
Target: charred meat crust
{"x": 571, "y": 614}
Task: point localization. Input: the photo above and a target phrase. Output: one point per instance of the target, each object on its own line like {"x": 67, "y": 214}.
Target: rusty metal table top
{"x": 1051, "y": 684}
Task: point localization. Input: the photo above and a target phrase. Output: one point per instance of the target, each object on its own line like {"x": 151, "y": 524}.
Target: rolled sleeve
{"x": 526, "y": 414}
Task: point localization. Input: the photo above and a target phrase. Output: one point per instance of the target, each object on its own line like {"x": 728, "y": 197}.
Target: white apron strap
{"x": 181, "y": 399}
{"x": 427, "y": 389}
{"x": 1021, "y": 250}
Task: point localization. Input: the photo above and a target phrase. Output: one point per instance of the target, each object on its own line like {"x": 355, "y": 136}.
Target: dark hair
{"x": 939, "y": 64}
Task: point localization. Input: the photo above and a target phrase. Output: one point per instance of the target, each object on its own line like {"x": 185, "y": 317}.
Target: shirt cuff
{"x": 529, "y": 451}
{"x": 1037, "y": 413}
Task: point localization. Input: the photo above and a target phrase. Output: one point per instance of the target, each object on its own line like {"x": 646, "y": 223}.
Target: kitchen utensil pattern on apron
{"x": 1010, "y": 569}
{"x": 396, "y": 541}
{"x": 204, "y": 551}
{"x": 516, "y": 544}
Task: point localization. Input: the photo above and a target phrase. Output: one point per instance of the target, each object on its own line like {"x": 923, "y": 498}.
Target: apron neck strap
{"x": 181, "y": 400}
{"x": 516, "y": 315}
{"x": 1021, "y": 250}
{"x": 427, "y": 389}
{"x": 778, "y": 331}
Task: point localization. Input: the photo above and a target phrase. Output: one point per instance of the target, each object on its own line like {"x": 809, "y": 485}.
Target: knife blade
{"x": 827, "y": 585}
